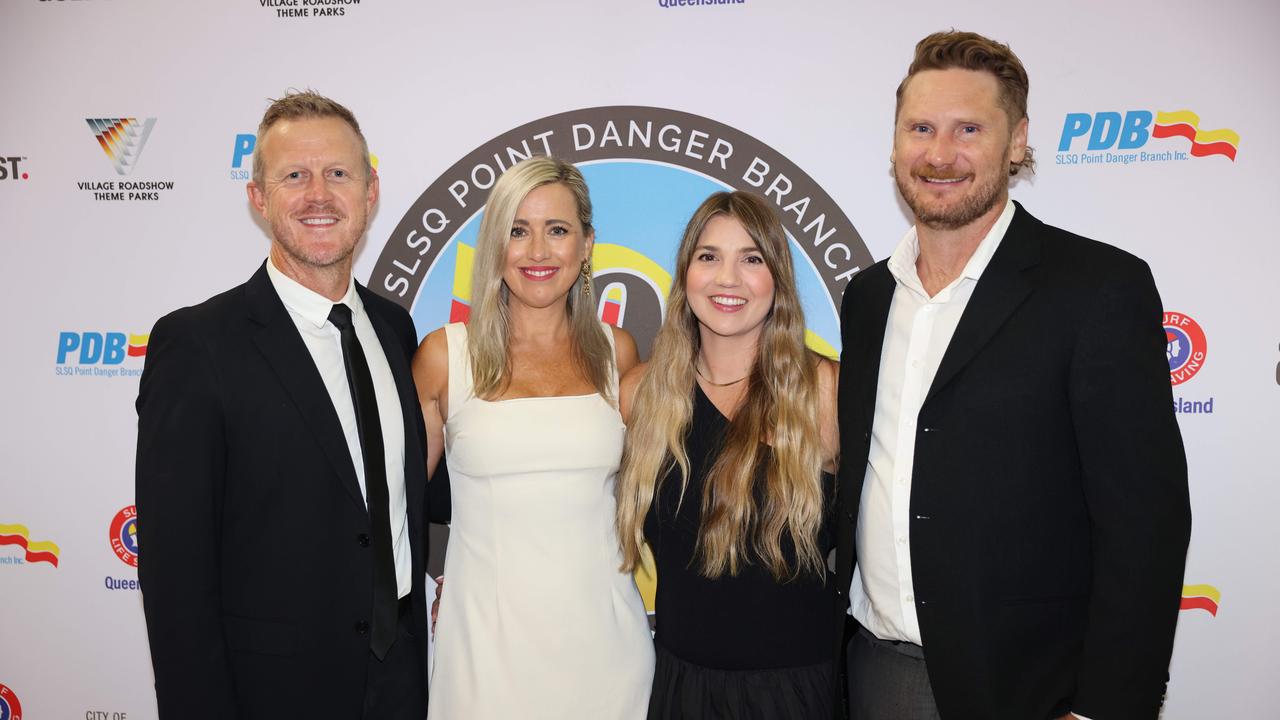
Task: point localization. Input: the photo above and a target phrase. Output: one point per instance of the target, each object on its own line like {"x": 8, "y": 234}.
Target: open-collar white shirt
{"x": 918, "y": 330}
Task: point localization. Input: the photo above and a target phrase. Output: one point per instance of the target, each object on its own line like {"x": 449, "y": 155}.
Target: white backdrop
{"x": 809, "y": 85}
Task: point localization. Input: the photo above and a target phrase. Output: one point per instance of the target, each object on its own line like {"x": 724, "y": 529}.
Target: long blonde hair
{"x": 488, "y": 331}
{"x": 780, "y": 406}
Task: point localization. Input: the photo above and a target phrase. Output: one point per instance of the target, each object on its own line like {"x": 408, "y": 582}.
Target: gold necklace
{"x": 716, "y": 384}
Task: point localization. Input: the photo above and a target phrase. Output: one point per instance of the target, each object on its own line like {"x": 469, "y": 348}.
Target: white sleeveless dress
{"x": 536, "y": 621}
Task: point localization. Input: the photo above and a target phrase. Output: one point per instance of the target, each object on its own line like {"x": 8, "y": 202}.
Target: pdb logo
{"x": 1108, "y": 135}
{"x": 240, "y": 151}
{"x": 92, "y": 348}
{"x": 99, "y": 354}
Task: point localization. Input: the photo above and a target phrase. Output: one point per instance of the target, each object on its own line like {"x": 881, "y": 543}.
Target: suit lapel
{"x": 870, "y": 323}
{"x": 1001, "y": 289}
{"x": 282, "y": 346}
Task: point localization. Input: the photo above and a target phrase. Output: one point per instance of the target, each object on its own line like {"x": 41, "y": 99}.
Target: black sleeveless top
{"x": 746, "y": 622}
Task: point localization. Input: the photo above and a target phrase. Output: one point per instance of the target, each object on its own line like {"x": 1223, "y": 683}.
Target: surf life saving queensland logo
{"x": 1186, "y": 350}
{"x": 123, "y": 536}
{"x": 10, "y": 708}
{"x": 648, "y": 169}
{"x": 1110, "y": 138}
{"x": 122, "y": 140}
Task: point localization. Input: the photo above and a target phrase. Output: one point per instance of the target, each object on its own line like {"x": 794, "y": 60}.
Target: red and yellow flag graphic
{"x": 1201, "y": 597}
{"x": 138, "y": 345}
{"x": 1185, "y": 123}
{"x": 36, "y": 551}
{"x": 460, "y": 308}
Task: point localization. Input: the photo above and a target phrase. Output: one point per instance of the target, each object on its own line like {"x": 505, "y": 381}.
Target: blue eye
{"x": 517, "y": 232}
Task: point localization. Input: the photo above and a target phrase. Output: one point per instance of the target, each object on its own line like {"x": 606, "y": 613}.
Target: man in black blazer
{"x": 280, "y": 469}
{"x": 1012, "y": 514}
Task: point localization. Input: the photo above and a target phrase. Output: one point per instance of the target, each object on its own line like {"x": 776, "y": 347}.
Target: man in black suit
{"x": 1013, "y": 511}
{"x": 280, "y": 466}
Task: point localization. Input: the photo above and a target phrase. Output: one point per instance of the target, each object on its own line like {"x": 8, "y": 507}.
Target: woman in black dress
{"x": 726, "y": 474}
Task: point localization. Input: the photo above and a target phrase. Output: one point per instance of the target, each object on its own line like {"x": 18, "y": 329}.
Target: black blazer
{"x": 1049, "y": 508}
{"x": 255, "y": 571}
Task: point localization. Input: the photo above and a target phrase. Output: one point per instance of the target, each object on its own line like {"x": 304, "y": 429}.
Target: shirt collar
{"x": 307, "y": 303}
{"x": 902, "y": 263}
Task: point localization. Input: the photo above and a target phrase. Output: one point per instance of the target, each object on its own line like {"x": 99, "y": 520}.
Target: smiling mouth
{"x": 933, "y": 180}
{"x": 319, "y": 221}
{"x": 728, "y": 303}
{"x": 539, "y": 273}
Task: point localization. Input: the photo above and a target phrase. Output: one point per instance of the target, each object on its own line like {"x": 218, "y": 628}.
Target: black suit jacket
{"x": 1049, "y": 511}
{"x": 255, "y": 567}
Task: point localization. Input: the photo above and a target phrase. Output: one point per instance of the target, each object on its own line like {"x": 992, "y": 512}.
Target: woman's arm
{"x": 431, "y": 375}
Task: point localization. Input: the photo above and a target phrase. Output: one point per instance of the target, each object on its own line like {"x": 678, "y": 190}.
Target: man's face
{"x": 952, "y": 147}
{"x": 315, "y": 191}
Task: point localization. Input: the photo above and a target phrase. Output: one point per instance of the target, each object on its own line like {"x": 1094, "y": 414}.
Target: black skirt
{"x": 685, "y": 691}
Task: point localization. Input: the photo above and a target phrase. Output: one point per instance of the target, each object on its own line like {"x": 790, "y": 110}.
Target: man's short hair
{"x": 305, "y": 105}
{"x": 971, "y": 51}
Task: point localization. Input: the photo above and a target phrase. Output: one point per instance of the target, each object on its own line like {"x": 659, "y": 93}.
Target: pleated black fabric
{"x": 685, "y": 691}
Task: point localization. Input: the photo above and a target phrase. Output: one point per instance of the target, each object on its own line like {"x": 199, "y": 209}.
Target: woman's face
{"x": 730, "y": 289}
{"x": 546, "y": 249}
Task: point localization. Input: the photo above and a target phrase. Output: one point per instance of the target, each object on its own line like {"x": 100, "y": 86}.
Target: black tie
{"x": 385, "y": 594}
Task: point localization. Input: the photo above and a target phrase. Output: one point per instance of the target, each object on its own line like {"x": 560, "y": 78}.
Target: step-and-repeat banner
{"x": 129, "y": 136}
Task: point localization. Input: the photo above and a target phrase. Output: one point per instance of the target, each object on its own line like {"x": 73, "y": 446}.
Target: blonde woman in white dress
{"x": 536, "y": 621}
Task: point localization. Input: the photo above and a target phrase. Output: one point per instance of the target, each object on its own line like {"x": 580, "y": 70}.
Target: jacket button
{"x": 362, "y": 627}
{"x": 363, "y": 539}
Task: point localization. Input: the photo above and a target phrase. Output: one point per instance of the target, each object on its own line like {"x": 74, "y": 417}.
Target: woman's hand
{"x": 435, "y": 604}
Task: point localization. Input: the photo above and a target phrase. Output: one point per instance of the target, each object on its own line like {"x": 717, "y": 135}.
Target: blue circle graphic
{"x": 1178, "y": 347}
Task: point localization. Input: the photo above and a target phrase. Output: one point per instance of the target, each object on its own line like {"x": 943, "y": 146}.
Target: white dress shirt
{"x": 310, "y": 313}
{"x": 918, "y": 330}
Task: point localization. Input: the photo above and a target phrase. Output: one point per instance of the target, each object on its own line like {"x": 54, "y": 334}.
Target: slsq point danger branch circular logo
{"x": 648, "y": 169}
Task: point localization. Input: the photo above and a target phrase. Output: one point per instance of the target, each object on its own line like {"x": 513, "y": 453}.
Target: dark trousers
{"x": 888, "y": 681}
{"x": 396, "y": 687}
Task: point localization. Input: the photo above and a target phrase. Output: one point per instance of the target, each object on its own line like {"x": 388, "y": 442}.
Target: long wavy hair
{"x": 488, "y": 334}
{"x": 780, "y": 408}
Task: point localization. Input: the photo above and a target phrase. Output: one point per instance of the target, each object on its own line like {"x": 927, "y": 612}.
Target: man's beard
{"x": 967, "y": 209}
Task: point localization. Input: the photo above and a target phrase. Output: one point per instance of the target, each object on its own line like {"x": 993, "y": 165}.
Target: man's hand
{"x": 435, "y": 605}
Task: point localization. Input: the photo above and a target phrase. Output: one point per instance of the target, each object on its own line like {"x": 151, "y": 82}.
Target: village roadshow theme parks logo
{"x": 648, "y": 169}
{"x": 299, "y": 9}
{"x": 123, "y": 140}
